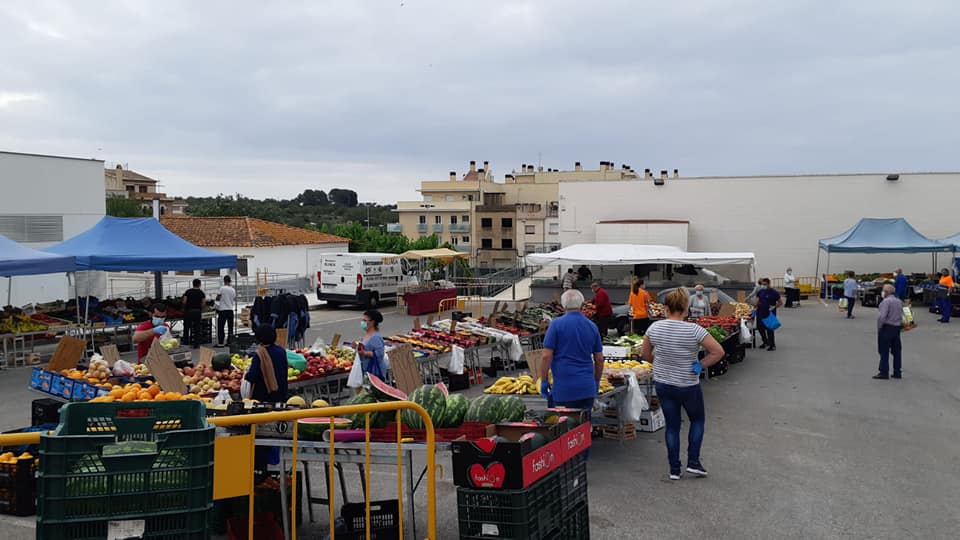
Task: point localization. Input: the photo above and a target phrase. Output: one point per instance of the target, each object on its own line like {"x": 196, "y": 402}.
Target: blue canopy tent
{"x": 881, "y": 235}
{"x": 955, "y": 240}
{"x": 18, "y": 260}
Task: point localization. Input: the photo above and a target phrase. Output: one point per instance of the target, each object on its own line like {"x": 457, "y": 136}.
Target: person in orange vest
{"x": 943, "y": 295}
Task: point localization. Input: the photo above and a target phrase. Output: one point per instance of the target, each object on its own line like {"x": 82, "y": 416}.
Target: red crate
{"x": 470, "y": 430}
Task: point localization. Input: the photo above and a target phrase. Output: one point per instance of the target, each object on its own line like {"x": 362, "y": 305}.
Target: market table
{"x": 349, "y": 452}
{"x": 424, "y": 302}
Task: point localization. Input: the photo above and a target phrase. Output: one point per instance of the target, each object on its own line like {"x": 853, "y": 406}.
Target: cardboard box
{"x": 651, "y": 420}
{"x": 515, "y": 464}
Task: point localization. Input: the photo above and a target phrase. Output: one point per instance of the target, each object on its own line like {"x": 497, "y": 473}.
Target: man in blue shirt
{"x": 573, "y": 350}
{"x": 768, "y": 300}
{"x": 900, "y": 284}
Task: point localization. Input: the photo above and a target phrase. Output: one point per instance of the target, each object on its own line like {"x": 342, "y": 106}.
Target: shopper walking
{"x": 601, "y": 301}
{"x": 768, "y": 300}
{"x": 943, "y": 295}
{"x": 673, "y": 345}
{"x": 699, "y": 303}
{"x": 569, "y": 280}
{"x": 192, "y": 305}
{"x": 226, "y": 305}
{"x": 639, "y": 301}
{"x": 371, "y": 349}
{"x": 900, "y": 285}
{"x": 850, "y": 287}
{"x": 889, "y": 325}
{"x": 572, "y": 349}
{"x": 791, "y": 289}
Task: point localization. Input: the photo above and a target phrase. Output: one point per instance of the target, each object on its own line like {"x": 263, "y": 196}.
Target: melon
{"x": 357, "y": 420}
{"x": 432, "y": 400}
{"x": 455, "y": 410}
{"x": 311, "y": 429}
{"x": 443, "y": 388}
{"x": 383, "y": 391}
{"x": 485, "y": 408}
{"x": 318, "y": 403}
{"x": 536, "y": 439}
{"x": 512, "y": 409}
{"x": 297, "y": 401}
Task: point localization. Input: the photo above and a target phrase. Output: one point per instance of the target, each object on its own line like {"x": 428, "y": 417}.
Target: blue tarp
{"x": 18, "y": 260}
{"x": 883, "y": 235}
{"x": 138, "y": 245}
{"x": 955, "y": 240}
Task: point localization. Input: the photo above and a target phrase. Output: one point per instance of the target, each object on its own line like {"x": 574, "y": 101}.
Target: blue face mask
{"x": 363, "y": 325}
{"x": 763, "y": 287}
{"x": 157, "y": 321}
{"x": 699, "y": 293}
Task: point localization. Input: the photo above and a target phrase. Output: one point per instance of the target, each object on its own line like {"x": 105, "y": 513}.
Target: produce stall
{"x": 428, "y": 298}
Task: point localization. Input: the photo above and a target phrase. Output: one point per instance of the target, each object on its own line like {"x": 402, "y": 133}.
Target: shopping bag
{"x": 635, "y": 402}
{"x": 843, "y": 303}
{"x": 771, "y": 322}
{"x": 908, "y": 322}
{"x": 746, "y": 336}
{"x": 246, "y": 388}
{"x": 355, "y": 380}
{"x": 456, "y": 361}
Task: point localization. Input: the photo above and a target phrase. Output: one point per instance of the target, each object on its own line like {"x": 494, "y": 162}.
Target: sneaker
{"x": 674, "y": 475}
{"x": 881, "y": 376}
{"x": 697, "y": 469}
{"x": 896, "y": 376}
{"x": 772, "y": 348}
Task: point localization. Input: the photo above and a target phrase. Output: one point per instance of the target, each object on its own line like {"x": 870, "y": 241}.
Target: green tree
{"x": 124, "y": 207}
{"x": 343, "y": 197}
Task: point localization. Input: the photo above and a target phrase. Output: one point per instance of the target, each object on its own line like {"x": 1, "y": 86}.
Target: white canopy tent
{"x": 628, "y": 254}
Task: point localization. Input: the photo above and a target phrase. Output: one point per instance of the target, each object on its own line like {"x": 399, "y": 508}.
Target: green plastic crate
{"x": 125, "y": 461}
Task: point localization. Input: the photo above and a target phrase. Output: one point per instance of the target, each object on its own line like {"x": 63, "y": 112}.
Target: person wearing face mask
{"x": 791, "y": 289}
{"x": 768, "y": 300}
{"x": 147, "y": 331}
{"x": 889, "y": 325}
{"x": 371, "y": 348}
{"x": 901, "y": 285}
{"x": 699, "y": 303}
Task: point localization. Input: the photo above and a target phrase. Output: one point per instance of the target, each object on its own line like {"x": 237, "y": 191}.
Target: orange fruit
{"x": 143, "y": 394}
{"x": 129, "y": 396}
{"x": 116, "y": 393}
{"x": 153, "y": 390}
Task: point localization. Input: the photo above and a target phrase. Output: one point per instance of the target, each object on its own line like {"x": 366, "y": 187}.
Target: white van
{"x": 364, "y": 279}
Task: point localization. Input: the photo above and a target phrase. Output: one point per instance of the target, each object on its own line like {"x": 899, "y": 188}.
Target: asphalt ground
{"x": 800, "y": 443}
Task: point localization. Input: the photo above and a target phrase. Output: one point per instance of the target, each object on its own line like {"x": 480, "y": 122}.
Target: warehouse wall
{"x": 302, "y": 260}
{"x": 36, "y": 185}
{"x": 780, "y": 218}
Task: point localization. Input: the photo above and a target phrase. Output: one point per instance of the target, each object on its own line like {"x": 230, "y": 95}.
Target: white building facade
{"x": 47, "y": 199}
{"x": 779, "y": 218}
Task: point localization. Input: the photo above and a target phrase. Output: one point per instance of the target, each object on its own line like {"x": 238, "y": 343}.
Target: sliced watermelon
{"x": 383, "y": 391}
{"x": 311, "y": 429}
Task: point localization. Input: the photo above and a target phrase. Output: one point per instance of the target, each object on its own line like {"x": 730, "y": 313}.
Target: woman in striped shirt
{"x": 673, "y": 346}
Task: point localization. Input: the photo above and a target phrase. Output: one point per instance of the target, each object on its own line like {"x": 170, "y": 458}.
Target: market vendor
{"x": 147, "y": 331}
{"x": 943, "y": 295}
{"x": 601, "y": 301}
{"x": 901, "y": 284}
{"x": 371, "y": 349}
{"x": 268, "y": 369}
{"x": 584, "y": 273}
{"x": 573, "y": 350}
{"x": 639, "y": 306}
{"x": 699, "y": 303}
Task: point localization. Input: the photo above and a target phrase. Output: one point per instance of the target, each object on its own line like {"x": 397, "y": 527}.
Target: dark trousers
{"x": 888, "y": 341}
{"x": 603, "y": 324}
{"x": 945, "y": 308}
{"x": 191, "y": 327}
{"x": 851, "y": 300}
{"x": 224, "y": 319}
{"x": 640, "y": 325}
{"x": 583, "y": 404}
{"x": 793, "y": 295}
{"x": 690, "y": 399}
{"x": 767, "y": 335}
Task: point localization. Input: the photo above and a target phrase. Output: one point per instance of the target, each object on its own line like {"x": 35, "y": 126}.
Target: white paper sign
{"x": 122, "y": 530}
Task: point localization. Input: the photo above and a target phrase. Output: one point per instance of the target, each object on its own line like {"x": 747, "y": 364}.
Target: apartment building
{"x": 122, "y": 182}
{"x": 496, "y": 221}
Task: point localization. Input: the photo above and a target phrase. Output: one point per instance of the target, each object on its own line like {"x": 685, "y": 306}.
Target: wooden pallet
{"x": 628, "y": 432}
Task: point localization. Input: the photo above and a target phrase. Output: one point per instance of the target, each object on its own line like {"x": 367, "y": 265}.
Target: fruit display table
{"x": 421, "y": 303}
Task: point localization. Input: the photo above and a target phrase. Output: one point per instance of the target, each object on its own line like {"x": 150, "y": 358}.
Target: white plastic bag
{"x": 222, "y": 398}
{"x": 246, "y": 388}
{"x": 746, "y": 336}
{"x": 122, "y": 368}
{"x": 355, "y": 380}
{"x": 634, "y": 402}
{"x": 456, "y": 361}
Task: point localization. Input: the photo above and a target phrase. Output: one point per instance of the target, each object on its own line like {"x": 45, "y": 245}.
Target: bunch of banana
{"x": 627, "y": 364}
{"x": 605, "y": 386}
{"x": 524, "y": 384}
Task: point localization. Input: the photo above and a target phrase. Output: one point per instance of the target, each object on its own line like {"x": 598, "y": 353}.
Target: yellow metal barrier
{"x": 16, "y": 439}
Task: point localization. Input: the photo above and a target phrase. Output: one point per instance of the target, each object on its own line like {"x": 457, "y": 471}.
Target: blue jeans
{"x": 888, "y": 340}
{"x": 851, "y": 300}
{"x": 690, "y": 398}
{"x": 945, "y": 308}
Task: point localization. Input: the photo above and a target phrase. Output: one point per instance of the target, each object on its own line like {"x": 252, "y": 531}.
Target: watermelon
{"x": 357, "y": 420}
{"x": 383, "y": 391}
{"x": 456, "y": 408}
{"x": 311, "y": 429}
{"x": 220, "y": 361}
{"x": 443, "y": 388}
{"x": 512, "y": 409}
{"x": 431, "y": 399}
{"x": 485, "y": 408}
{"x": 536, "y": 439}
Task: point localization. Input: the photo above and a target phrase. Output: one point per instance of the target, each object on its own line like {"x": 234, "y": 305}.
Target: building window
{"x": 530, "y": 229}
{"x": 506, "y": 243}
{"x": 486, "y": 223}
{"x": 465, "y": 239}
{"x": 454, "y": 240}
{"x": 486, "y": 243}
{"x": 453, "y": 220}
{"x": 423, "y": 220}
{"x": 438, "y": 220}
{"x": 469, "y": 197}
{"x": 32, "y": 228}
{"x": 242, "y": 266}
{"x": 130, "y": 189}
{"x": 464, "y": 219}
{"x": 554, "y": 228}
{"x": 553, "y": 210}
{"x": 143, "y": 189}
{"x": 506, "y": 223}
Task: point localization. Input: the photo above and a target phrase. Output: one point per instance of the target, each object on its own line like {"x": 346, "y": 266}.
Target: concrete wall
{"x": 49, "y": 186}
{"x": 778, "y": 218}
{"x": 663, "y": 234}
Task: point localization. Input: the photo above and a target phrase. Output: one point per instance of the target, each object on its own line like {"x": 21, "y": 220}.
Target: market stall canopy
{"x": 138, "y": 245}
{"x": 611, "y": 254}
{"x": 18, "y": 260}
{"x": 883, "y": 235}
{"x": 955, "y": 240}
{"x": 443, "y": 254}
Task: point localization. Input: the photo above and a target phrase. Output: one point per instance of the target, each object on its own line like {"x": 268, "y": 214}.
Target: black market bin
{"x": 143, "y": 465}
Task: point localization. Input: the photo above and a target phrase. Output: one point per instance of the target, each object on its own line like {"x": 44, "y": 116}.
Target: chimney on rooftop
{"x": 577, "y": 167}
{"x": 486, "y": 165}
{"x": 603, "y": 165}
{"x": 676, "y": 173}
{"x": 523, "y": 167}
{"x": 663, "y": 174}
{"x": 453, "y": 176}
{"x": 647, "y": 173}
{"x": 473, "y": 166}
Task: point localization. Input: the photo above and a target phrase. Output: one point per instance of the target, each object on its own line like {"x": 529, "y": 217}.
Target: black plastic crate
{"x": 18, "y": 486}
{"x": 573, "y": 483}
{"x": 122, "y": 461}
{"x": 45, "y": 411}
{"x": 532, "y": 513}
{"x": 576, "y": 523}
{"x": 174, "y": 526}
{"x": 384, "y": 520}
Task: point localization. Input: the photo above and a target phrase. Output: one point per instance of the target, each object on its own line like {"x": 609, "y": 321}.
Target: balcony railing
{"x": 462, "y": 248}
{"x": 459, "y": 227}
{"x": 394, "y": 227}
{"x": 540, "y": 247}
{"x": 438, "y": 227}
{"x": 421, "y": 227}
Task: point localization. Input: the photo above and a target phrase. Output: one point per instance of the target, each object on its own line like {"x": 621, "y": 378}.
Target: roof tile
{"x": 243, "y": 232}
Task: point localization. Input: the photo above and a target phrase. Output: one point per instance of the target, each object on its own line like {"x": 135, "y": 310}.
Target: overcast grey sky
{"x": 268, "y": 99}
